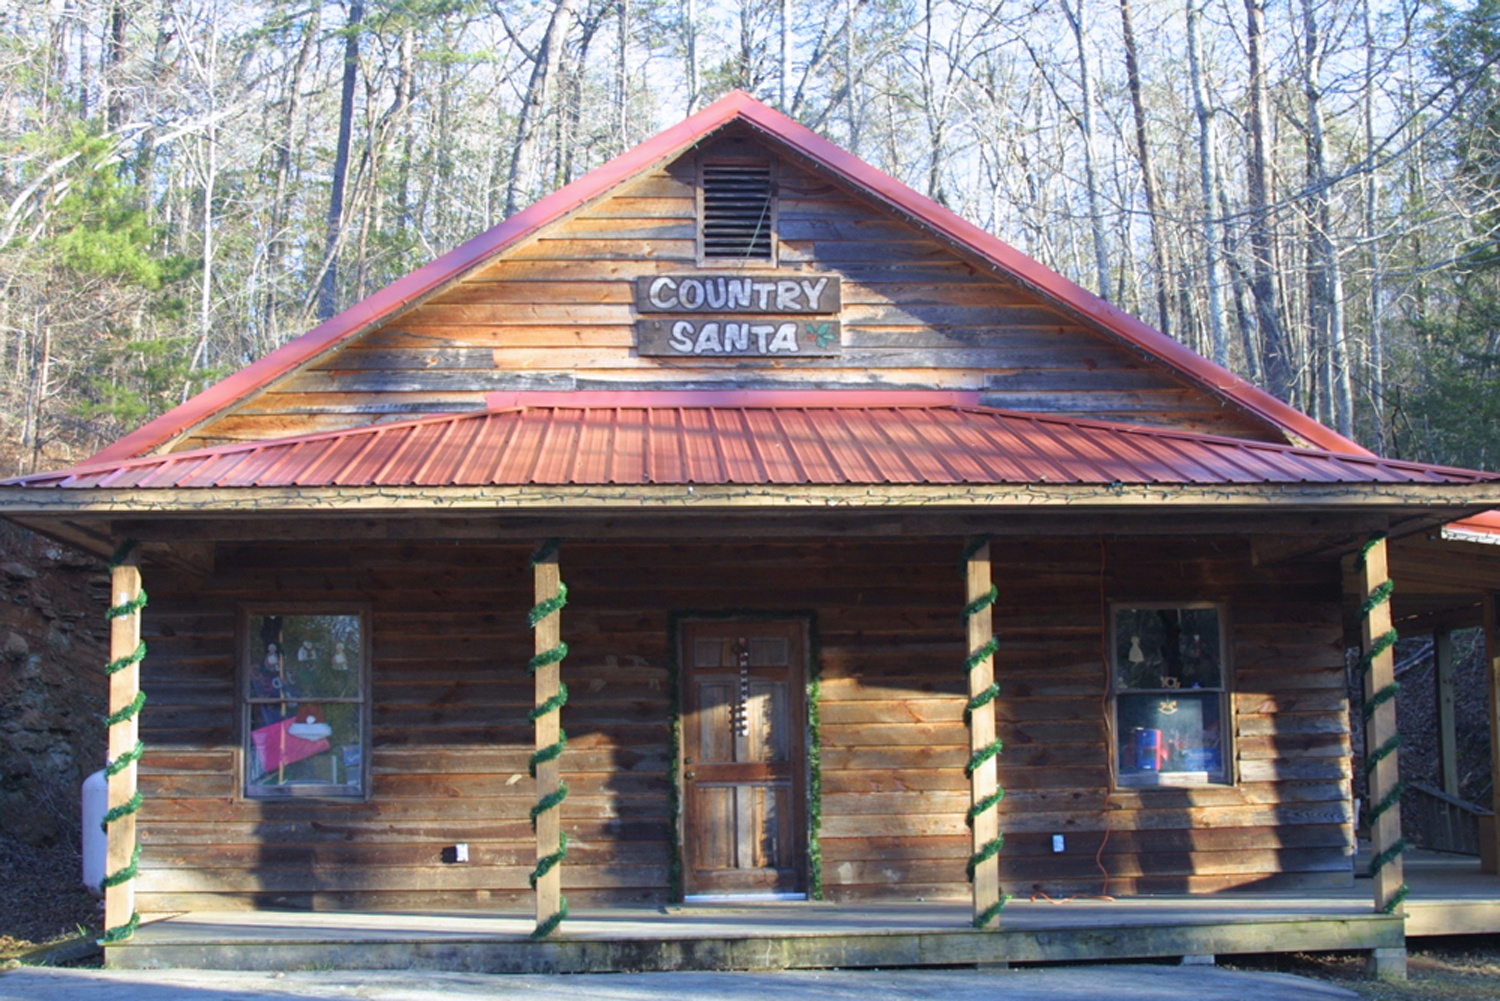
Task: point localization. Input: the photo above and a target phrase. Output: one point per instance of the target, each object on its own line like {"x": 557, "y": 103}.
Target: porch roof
{"x": 743, "y": 437}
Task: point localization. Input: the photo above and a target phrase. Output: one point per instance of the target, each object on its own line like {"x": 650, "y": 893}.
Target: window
{"x": 1171, "y": 694}
{"x": 737, "y": 211}
{"x": 306, "y": 704}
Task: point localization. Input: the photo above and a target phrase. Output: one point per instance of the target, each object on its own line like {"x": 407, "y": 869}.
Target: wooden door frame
{"x": 811, "y": 860}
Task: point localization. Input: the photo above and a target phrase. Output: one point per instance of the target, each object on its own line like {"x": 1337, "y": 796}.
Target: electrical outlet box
{"x": 1057, "y": 843}
{"x": 461, "y": 852}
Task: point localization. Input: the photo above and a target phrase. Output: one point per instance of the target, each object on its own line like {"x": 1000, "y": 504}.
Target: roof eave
{"x": 1447, "y": 501}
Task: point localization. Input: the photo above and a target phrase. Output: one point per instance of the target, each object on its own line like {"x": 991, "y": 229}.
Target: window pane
{"x": 706, "y": 652}
{"x": 1167, "y": 648}
{"x": 304, "y": 743}
{"x": 1170, "y": 732}
{"x": 770, "y": 651}
{"x": 304, "y": 657}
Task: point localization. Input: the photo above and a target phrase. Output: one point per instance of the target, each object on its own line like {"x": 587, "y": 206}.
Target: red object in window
{"x": 1150, "y": 753}
{"x": 276, "y": 747}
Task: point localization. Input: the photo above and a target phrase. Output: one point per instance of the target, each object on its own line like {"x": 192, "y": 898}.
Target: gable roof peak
{"x": 672, "y": 142}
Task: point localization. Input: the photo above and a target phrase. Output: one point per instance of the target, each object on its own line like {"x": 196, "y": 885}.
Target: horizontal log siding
{"x": 451, "y": 737}
{"x": 557, "y": 313}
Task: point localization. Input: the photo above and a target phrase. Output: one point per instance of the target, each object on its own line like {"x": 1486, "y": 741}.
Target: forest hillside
{"x": 1302, "y": 190}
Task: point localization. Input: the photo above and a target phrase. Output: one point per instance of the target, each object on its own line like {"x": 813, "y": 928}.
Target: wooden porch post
{"x": 1382, "y": 771}
{"x": 1492, "y": 678}
{"x": 984, "y": 785}
{"x": 1442, "y": 655}
{"x": 124, "y": 747}
{"x": 546, "y": 765}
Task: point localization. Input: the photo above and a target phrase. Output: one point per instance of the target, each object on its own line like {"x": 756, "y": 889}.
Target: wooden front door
{"x": 744, "y": 757}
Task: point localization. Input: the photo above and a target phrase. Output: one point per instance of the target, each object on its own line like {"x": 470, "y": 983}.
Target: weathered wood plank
{"x": 451, "y": 739}
{"x": 393, "y": 878}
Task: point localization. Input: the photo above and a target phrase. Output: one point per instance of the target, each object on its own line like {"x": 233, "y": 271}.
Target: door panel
{"x": 743, "y": 768}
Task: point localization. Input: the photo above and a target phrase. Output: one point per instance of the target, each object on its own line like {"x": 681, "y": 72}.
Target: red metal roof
{"x": 737, "y": 105}
{"x": 745, "y": 437}
{"x": 1483, "y": 528}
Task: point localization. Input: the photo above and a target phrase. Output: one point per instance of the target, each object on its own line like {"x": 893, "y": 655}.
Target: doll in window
{"x": 266, "y": 683}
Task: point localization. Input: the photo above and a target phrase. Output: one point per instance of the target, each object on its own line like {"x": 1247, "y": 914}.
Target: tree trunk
{"x": 328, "y": 294}
{"x": 115, "y": 109}
{"x": 851, "y": 107}
{"x": 1376, "y": 335}
{"x": 1239, "y": 284}
{"x": 535, "y": 105}
{"x": 1148, "y": 173}
{"x": 1276, "y": 358}
{"x": 1325, "y": 276}
{"x": 934, "y": 107}
{"x": 1207, "y": 175}
{"x": 784, "y": 71}
{"x": 210, "y": 67}
{"x": 692, "y": 56}
{"x": 280, "y": 209}
{"x": 1074, "y": 13}
{"x": 622, "y": 108}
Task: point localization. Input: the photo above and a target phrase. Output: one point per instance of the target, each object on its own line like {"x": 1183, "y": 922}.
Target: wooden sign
{"x": 739, "y": 316}
{"x": 768, "y": 337}
{"x": 739, "y": 294}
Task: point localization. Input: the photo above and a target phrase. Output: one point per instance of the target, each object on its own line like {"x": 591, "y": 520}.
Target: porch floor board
{"x": 1449, "y": 896}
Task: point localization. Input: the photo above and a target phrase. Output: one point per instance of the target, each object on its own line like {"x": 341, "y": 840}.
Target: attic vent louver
{"x": 737, "y": 211}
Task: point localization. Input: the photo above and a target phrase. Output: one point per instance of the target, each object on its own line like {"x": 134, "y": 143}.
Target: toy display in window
{"x": 1169, "y": 681}
{"x": 266, "y": 683}
{"x": 1181, "y": 734}
{"x": 303, "y": 699}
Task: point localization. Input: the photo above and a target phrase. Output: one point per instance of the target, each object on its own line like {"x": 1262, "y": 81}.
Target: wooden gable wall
{"x": 556, "y": 313}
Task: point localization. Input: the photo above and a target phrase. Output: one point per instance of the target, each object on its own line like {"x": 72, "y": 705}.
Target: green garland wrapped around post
{"x": 984, "y": 745}
{"x": 545, "y": 608}
{"x": 124, "y": 717}
{"x": 1379, "y": 638}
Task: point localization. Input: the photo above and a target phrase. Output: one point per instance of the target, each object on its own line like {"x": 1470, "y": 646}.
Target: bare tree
{"x": 1275, "y": 353}
{"x": 546, "y": 64}
{"x": 1207, "y": 176}
{"x": 1159, "y": 267}
{"x": 1075, "y": 13}
{"x": 328, "y": 286}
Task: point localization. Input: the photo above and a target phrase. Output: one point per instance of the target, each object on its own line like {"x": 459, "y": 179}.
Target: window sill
{"x": 1171, "y": 780}
{"x": 308, "y": 791}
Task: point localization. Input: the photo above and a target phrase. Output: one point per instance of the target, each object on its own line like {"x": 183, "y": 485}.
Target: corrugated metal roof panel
{"x": 684, "y": 442}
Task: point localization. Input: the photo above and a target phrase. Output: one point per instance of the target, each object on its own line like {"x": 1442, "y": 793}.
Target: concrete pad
{"x": 1079, "y": 983}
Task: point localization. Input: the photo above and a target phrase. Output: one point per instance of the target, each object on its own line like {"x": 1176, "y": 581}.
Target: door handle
{"x": 689, "y": 775}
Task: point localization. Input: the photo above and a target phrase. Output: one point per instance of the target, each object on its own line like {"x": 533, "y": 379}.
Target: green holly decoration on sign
{"x": 823, "y": 332}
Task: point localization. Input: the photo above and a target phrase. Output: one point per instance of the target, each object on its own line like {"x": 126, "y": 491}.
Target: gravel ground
{"x": 41, "y": 896}
{"x": 1082, "y": 983}
{"x": 1452, "y": 969}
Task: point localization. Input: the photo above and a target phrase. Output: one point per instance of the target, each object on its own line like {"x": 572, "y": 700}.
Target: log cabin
{"x": 737, "y": 525}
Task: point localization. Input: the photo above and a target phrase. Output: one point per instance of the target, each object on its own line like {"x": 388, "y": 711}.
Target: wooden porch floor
{"x": 1448, "y": 897}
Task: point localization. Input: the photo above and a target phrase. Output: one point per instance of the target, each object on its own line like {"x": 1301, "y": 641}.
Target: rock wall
{"x": 53, "y": 645}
